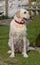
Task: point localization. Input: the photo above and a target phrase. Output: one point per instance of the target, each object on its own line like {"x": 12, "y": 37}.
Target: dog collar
{"x": 19, "y": 22}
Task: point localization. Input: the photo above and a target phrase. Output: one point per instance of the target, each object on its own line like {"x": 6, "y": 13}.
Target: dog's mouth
{"x": 25, "y": 19}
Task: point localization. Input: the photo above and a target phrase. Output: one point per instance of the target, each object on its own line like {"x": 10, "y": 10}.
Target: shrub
{"x": 4, "y": 17}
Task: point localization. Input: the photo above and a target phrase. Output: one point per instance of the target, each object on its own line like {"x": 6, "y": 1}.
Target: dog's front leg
{"x": 24, "y": 47}
{"x": 12, "y": 48}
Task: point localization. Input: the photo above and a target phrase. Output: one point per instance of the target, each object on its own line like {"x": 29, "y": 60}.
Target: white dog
{"x": 18, "y": 31}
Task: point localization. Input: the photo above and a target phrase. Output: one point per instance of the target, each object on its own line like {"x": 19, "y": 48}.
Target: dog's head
{"x": 22, "y": 15}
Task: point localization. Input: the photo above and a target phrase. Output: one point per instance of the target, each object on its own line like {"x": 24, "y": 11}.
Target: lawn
{"x": 34, "y": 56}
{"x": 33, "y": 29}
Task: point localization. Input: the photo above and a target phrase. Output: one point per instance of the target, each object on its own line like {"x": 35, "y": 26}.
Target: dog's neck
{"x": 16, "y": 18}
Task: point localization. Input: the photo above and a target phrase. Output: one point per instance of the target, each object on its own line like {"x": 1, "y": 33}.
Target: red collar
{"x": 19, "y": 22}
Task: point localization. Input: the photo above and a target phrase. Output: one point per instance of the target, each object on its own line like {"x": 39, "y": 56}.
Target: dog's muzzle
{"x": 25, "y": 19}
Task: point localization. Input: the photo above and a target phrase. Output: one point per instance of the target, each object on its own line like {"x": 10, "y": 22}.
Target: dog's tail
{"x": 34, "y": 48}
{"x": 30, "y": 48}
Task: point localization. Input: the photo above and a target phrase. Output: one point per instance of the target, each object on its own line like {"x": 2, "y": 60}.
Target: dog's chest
{"x": 20, "y": 28}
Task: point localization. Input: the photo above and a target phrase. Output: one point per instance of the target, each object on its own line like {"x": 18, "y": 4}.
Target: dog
{"x": 18, "y": 31}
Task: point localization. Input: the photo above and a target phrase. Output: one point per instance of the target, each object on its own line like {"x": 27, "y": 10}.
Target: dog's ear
{"x": 18, "y": 14}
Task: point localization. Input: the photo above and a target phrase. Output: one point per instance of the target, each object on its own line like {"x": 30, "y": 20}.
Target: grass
{"x": 34, "y": 56}
{"x": 34, "y": 29}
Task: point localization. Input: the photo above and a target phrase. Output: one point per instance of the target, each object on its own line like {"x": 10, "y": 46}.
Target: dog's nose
{"x": 31, "y": 18}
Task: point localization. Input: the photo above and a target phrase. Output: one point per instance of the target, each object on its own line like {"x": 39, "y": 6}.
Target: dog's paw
{"x": 9, "y": 51}
{"x": 12, "y": 55}
{"x": 25, "y": 55}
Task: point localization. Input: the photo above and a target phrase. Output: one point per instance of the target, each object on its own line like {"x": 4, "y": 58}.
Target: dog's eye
{"x": 24, "y": 12}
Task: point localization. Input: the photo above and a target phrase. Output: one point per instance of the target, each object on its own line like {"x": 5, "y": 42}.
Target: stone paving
{"x": 5, "y": 22}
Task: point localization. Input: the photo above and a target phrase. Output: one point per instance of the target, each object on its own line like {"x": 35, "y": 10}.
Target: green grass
{"x": 34, "y": 56}
{"x": 34, "y": 29}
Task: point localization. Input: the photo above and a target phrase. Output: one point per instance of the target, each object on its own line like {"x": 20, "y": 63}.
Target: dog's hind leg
{"x": 27, "y": 44}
